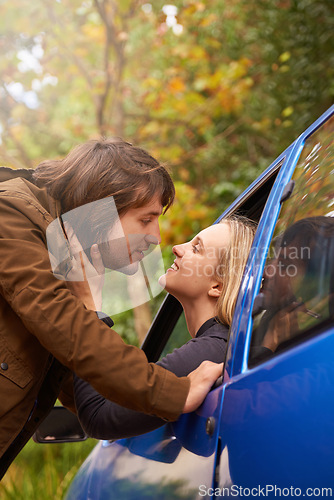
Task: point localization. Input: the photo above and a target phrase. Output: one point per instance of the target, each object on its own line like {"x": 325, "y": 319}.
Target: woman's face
{"x": 194, "y": 268}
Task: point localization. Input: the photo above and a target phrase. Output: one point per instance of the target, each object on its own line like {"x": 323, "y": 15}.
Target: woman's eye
{"x": 195, "y": 249}
{"x": 146, "y": 221}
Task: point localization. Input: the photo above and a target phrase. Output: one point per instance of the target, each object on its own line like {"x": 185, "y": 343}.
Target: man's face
{"x": 131, "y": 235}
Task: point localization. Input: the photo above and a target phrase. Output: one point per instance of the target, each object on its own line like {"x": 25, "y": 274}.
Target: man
{"x": 45, "y": 331}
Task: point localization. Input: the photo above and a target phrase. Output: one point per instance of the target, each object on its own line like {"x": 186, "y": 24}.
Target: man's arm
{"x": 65, "y": 328}
{"x": 103, "y": 419}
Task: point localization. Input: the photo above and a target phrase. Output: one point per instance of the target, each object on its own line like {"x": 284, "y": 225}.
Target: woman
{"x": 205, "y": 277}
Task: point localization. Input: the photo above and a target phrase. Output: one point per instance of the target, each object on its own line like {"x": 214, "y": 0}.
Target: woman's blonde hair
{"x": 231, "y": 265}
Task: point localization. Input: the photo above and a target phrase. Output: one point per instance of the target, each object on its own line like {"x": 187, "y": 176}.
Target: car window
{"x": 179, "y": 336}
{"x": 169, "y": 330}
{"x": 296, "y": 299}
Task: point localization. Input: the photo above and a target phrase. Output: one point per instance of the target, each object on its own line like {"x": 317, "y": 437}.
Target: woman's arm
{"x": 103, "y": 419}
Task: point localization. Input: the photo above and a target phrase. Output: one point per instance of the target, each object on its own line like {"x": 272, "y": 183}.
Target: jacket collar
{"x": 8, "y": 174}
{"x": 54, "y": 207}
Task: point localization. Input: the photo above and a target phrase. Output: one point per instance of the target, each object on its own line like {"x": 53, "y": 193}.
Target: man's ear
{"x": 215, "y": 290}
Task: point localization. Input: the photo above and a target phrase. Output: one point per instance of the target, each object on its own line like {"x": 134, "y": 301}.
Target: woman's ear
{"x": 215, "y": 290}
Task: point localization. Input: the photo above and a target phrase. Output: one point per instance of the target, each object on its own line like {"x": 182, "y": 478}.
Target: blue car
{"x": 267, "y": 427}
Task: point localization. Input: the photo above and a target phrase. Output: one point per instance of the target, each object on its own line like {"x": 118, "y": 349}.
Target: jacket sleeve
{"x": 66, "y": 395}
{"x": 103, "y": 419}
{"x": 65, "y": 328}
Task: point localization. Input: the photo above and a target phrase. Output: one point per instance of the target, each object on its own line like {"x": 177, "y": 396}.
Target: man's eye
{"x": 146, "y": 221}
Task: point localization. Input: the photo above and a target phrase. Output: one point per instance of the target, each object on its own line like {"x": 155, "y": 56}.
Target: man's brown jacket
{"x": 46, "y": 332}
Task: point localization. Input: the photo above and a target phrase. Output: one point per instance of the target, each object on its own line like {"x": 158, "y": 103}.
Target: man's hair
{"x": 231, "y": 265}
{"x": 106, "y": 167}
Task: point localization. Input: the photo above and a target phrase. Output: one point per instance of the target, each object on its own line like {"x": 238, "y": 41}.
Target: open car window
{"x": 297, "y": 292}
{"x": 169, "y": 330}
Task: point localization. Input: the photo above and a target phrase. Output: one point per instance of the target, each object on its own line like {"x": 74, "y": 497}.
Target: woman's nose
{"x": 178, "y": 250}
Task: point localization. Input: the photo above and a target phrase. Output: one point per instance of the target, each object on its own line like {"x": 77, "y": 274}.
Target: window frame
{"x": 236, "y": 361}
{"x": 170, "y": 310}
{"x": 313, "y": 330}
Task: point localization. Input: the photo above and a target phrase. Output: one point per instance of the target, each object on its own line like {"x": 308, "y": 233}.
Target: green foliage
{"x": 293, "y": 46}
{"x": 227, "y": 93}
{"x": 189, "y": 214}
{"x": 44, "y": 471}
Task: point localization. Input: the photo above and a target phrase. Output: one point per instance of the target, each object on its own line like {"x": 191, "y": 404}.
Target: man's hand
{"x": 201, "y": 381}
{"x": 89, "y": 290}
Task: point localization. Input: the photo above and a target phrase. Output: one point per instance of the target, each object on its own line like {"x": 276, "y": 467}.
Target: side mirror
{"x": 60, "y": 426}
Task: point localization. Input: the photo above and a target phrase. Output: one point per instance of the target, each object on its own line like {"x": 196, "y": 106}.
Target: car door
{"x": 277, "y": 427}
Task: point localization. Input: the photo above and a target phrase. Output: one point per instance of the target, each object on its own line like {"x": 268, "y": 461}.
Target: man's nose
{"x": 154, "y": 237}
{"x": 152, "y": 240}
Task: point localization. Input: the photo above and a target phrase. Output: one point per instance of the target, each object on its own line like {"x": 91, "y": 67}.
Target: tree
{"x": 216, "y": 89}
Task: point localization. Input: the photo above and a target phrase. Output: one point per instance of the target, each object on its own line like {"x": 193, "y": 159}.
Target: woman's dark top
{"x": 103, "y": 419}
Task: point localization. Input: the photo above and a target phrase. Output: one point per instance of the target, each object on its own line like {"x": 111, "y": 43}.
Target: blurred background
{"x": 213, "y": 89}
